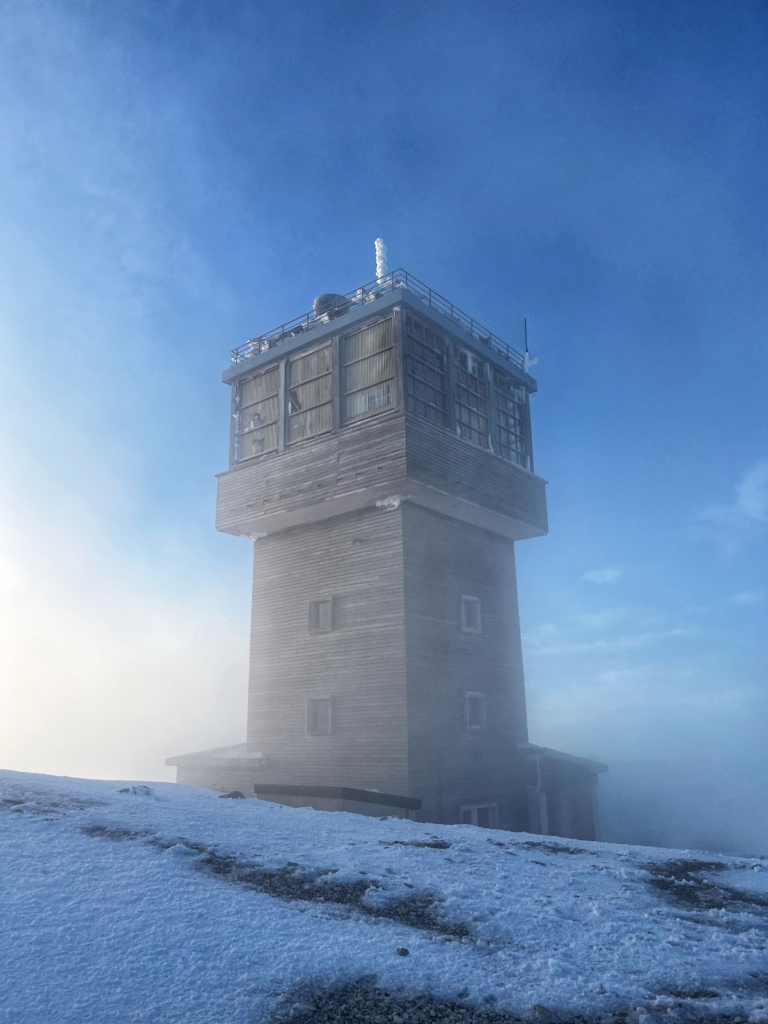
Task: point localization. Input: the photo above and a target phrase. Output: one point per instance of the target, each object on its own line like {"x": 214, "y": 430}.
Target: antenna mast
{"x": 381, "y": 258}
{"x": 528, "y": 359}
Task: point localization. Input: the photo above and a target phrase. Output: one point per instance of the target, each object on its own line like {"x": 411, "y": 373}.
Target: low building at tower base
{"x": 551, "y": 793}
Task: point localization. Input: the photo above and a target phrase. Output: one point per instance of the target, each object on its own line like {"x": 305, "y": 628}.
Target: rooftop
{"x": 336, "y": 305}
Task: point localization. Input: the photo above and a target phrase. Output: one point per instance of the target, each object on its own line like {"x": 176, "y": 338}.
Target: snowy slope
{"x": 173, "y": 904}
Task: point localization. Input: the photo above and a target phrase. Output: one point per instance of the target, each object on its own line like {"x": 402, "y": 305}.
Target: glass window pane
{"x": 309, "y": 399}
{"x": 310, "y": 423}
{"x": 470, "y": 614}
{"x": 370, "y": 340}
{"x": 365, "y": 403}
{"x": 511, "y": 428}
{"x": 472, "y": 398}
{"x": 369, "y": 371}
{"x": 426, "y": 379}
{"x": 257, "y": 415}
{"x": 257, "y": 388}
{"x": 320, "y": 716}
{"x": 320, "y": 616}
{"x": 474, "y": 704}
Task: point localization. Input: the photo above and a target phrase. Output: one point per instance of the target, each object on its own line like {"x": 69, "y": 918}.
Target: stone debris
{"x": 366, "y": 1003}
{"x": 371, "y": 1005}
{"x": 684, "y": 883}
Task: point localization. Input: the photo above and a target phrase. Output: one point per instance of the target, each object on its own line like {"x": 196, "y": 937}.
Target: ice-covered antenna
{"x": 381, "y": 258}
{"x": 528, "y": 359}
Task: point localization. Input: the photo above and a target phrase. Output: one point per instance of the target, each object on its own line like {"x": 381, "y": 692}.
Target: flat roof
{"x": 342, "y": 311}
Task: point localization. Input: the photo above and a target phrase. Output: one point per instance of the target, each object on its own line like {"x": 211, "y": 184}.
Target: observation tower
{"x": 381, "y": 462}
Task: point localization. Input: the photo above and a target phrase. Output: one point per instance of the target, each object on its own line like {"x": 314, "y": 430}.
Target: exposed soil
{"x": 682, "y": 882}
{"x": 532, "y": 844}
{"x": 291, "y": 883}
{"x": 365, "y": 1003}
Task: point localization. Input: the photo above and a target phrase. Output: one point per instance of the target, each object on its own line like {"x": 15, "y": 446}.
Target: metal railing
{"x": 367, "y": 293}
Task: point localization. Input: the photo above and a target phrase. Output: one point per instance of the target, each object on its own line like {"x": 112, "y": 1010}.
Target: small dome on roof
{"x": 329, "y": 305}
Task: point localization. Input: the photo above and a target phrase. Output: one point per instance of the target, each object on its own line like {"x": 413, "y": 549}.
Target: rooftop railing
{"x": 367, "y": 293}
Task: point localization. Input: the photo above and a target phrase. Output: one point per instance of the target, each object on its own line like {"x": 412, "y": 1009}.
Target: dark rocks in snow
{"x": 235, "y": 794}
{"x": 137, "y": 790}
{"x": 425, "y": 844}
{"x": 288, "y": 883}
{"x": 549, "y": 847}
{"x": 365, "y": 1003}
{"x": 684, "y": 884}
{"x": 419, "y": 911}
{"x": 117, "y": 835}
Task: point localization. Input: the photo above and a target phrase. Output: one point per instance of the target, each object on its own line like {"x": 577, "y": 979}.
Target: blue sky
{"x": 177, "y": 177}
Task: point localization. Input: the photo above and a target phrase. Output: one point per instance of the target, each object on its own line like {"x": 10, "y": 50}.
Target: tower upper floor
{"x": 390, "y": 392}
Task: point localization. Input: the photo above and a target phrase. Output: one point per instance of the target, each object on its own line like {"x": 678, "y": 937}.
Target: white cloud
{"x": 731, "y": 523}
{"x": 608, "y": 575}
{"x": 644, "y": 673}
{"x": 600, "y": 620}
{"x": 748, "y": 597}
{"x": 547, "y": 641}
{"x": 752, "y": 493}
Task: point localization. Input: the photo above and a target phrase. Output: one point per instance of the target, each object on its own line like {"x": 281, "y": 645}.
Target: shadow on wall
{"x": 718, "y": 806}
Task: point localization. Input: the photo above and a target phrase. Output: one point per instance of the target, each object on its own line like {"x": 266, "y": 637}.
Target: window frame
{"x": 241, "y": 414}
{"x": 452, "y": 385}
{"x": 318, "y": 622}
{"x": 385, "y": 385}
{"x": 291, "y": 387}
{"x": 427, "y": 356}
{"x": 474, "y": 722}
{"x": 511, "y": 426}
{"x": 469, "y": 601}
{"x": 472, "y": 388}
{"x": 318, "y": 711}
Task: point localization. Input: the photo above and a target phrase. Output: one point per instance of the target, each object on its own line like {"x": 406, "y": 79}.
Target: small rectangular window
{"x": 320, "y": 716}
{"x": 321, "y": 616}
{"x": 470, "y": 614}
{"x": 482, "y": 815}
{"x": 474, "y": 707}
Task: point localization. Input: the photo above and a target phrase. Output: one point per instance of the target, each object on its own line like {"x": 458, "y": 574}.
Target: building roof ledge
{"x": 534, "y": 750}
{"x": 236, "y": 752}
{"x": 363, "y": 796}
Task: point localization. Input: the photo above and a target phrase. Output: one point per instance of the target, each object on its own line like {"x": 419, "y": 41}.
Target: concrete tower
{"x": 381, "y": 461}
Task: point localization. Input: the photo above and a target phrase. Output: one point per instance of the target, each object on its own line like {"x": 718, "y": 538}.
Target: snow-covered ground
{"x": 168, "y": 904}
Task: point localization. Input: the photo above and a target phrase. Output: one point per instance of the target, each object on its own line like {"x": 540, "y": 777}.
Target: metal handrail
{"x": 367, "y": 293}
